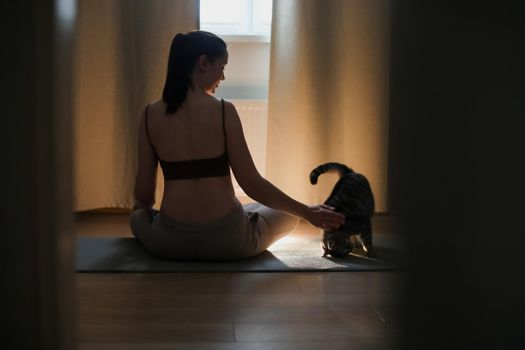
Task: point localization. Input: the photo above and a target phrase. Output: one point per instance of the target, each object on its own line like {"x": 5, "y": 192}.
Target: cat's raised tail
{"x": 331, "y": 167}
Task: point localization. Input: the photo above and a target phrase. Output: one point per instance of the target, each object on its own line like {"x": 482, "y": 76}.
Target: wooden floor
{"x": 242, "y": 311}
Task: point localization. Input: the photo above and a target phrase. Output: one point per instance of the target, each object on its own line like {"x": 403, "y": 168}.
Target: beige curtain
{"x": 121, "y": 58}
{"x": 328, "y": 98}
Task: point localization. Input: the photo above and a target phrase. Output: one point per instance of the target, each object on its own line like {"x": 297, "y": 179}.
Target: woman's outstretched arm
{"x": 263, "y": 190}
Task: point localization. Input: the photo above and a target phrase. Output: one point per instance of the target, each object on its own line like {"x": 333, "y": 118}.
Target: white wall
{"x": 247, "y": 71}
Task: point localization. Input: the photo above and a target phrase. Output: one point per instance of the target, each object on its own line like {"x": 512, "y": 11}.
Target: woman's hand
{"x": 325, "y": 217}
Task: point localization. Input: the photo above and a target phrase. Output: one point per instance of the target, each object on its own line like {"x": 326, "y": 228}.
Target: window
{"x": 240, "y": 20}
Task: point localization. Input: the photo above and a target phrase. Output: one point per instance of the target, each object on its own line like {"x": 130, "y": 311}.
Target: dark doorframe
{"x": 36, "y": 143}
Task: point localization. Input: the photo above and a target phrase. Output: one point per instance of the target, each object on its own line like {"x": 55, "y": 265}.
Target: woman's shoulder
{"x": 155, "y": 107}
{"x": 205, "y": 101}
{"x": 211, "y": 102}
{"x": 156, "y": 104}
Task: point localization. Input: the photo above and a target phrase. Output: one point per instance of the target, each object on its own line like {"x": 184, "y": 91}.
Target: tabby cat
{"x": 351, "y": 196}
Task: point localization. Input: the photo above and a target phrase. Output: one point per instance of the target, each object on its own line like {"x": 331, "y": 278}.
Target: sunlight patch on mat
{"x": 288, "y": 240}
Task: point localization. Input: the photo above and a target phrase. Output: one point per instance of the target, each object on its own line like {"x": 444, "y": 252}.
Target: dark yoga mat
{"x": 292, "y": 253}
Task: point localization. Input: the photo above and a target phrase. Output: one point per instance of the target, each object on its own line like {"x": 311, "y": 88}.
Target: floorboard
{"x": 223, "y": 311}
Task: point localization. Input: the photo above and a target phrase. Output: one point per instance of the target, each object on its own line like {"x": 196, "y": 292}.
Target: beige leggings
{"x": 245, "y": 232}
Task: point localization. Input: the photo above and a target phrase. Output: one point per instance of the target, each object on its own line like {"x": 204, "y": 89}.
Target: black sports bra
{"x": 194, "y": 168}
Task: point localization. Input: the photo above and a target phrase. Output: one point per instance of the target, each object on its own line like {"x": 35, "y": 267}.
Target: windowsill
{"x": 246, "y": 38}
{"x": 242, "y": 92}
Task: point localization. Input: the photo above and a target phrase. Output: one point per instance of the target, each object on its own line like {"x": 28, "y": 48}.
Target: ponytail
{"x": 178, "y": 79}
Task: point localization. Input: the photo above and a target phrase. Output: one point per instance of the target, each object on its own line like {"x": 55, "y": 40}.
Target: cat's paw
{"x": 371, "y": 253}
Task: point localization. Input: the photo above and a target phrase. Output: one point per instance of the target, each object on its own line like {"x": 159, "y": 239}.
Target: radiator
{"x": 254, "y": 119}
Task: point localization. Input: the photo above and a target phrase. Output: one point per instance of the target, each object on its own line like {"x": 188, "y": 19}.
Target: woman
{"x": 196, "y": 138}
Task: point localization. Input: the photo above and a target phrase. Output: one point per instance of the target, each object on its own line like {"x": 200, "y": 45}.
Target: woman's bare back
{"x": 195, "y": 131}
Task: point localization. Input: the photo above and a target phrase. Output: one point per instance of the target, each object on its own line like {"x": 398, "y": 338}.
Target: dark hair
{"x": 184, "y": 51}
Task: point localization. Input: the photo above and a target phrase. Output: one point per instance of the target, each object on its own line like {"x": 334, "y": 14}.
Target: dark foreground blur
{"x": 457, "y": 171}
